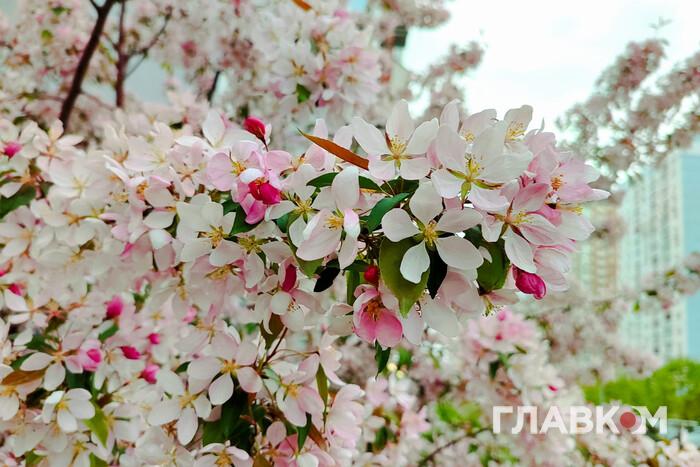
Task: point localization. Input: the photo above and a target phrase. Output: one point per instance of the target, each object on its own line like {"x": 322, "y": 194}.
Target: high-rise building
{"x": 661, "y": 213}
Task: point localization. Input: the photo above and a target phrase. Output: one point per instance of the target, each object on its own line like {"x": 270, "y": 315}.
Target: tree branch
{"x": 84, "y": 63}
{"x": 212, "y": 89}
{"x": 143, "y": 51}
{"x": 122, "y": 59}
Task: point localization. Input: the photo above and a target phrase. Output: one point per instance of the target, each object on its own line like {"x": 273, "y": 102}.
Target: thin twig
{"x": 84, "y": 63}
{"x": 143, "y": 51}
{"x": 122, "y": 59}
{"x": 437, "y": 450}
{"x": 212, "y": 89}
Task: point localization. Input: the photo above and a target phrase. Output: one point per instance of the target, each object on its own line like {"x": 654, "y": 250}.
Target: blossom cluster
{"x": 160, "y": 284}
{"x": 635, "y": 116}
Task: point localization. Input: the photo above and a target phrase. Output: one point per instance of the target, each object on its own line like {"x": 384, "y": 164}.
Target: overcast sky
{"x": 548, "y": 53}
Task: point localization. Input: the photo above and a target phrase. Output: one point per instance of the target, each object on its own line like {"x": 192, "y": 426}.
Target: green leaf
{"x": 109, "y": 332}
{"x": 438, "y": 271}
{"x": 285, "y": 221}
{"x": 96, "y": 461}
{"x": 399, "y": 185}
{"x": 327, "y": 179}
{"x": 381, "y": 356}
{"x": 405, "y": 358}
{"x": 77, "y": 380}
{"x": 322, "y": 383}
{"x": 303, "y": 432}
{"x": 309, "y": 267}
{"x": 230, "y": 426}
{"x": 98, "y": 425}
{"x": 352, "y": 279}
{"x": 23, "y": 197}
{"x": 326, "y": 278}
{"x": 32, "y": 458}
{"x": 390, "y": 256}
{"x": 303, "y": 93}
{"x": 239, "y": 223}
{"x": 491, "y": 275}
{"x": 374, "y": 219}
{"x": 381, "y": 438}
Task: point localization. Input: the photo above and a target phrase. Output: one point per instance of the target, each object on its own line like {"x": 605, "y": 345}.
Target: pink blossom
{"x": 373, "y": 322}
{"x": 529, "y": 283}
{"x": 130, "y": 352}
{"x": 12, "y": 148}
{"x": 255, "y": 126}
{"x": 115, "y": 307}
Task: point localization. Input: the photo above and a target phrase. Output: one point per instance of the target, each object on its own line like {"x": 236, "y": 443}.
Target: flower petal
{"x": 458, "y": 252}
{"x": 458, "y": 220}
{"x": 221, "y": 389}
{"x": 426, "y": 203}
{"x": 415, "y": 262}
{"x": 397, "y": 225}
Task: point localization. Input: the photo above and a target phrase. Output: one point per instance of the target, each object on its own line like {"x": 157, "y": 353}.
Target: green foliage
{"x": 303, "y": 432}
{"x": 491, "y": 274}
{"x": 390, "y": 256}
{"x": 466, "y": 414}
{"x": 374, "y": 219}
{"x": 303, "y": 93}
{"x": 327, "y": 179}
{"x": 675, "y": 385}
{"x": 98, "y": 425}
{"x": 381, "y": 356}
{"x": 23, "y": 197}
{"x": 109, "y": 332}
{"x": 231, "y": 426}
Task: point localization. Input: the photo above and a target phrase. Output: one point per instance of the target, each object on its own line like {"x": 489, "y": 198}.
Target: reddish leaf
{"x": 19, "y": 377}
{"x": 338, "y": 151}
{"x": 302, "y": 4}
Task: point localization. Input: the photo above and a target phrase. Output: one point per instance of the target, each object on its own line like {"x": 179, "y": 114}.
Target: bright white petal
{"x": 440, "y": 318}
{"x": 397, "y": 225}
{"x": 459, "y": 252}
{"x": 426, "y": 203}
{"x": 415, "y": 262}
{"x": 221, "y": 389}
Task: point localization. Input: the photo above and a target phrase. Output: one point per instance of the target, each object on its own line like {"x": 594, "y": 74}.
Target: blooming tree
{"x": 186, "y": 283}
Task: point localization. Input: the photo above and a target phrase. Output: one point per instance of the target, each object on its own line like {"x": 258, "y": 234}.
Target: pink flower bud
{"x": 149, "y": 373}
{"x": 269, "y": 194}
{"x": 94, "y": 354}
{"x": 255, "y": 126}
{"x": 130, "y": 352}
{"x": 265, "y": 192}
{"x": 12, "y": 148}
{"x": 290, "y": 278}
{"x": 15, "y": 289}
{"x": 154, "y": 338}
{"x": 115, "y": 307}
{"x": 372, "y": 274}
{"x": 529, "y": 283}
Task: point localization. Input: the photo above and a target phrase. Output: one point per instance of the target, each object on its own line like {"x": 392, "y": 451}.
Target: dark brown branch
{"x": 122, "y": 59}
{"x": 143, "y": 51}
{"x": 212, "y": 89}
{"x": 84, "y": 63}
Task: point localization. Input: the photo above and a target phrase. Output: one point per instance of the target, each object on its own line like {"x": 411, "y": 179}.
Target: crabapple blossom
{"x": 426, "y": 205}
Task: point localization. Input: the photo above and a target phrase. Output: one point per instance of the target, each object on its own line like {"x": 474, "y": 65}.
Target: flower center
{"x": 397, "y": 146}
{"x": 557, "y": 182}
{"x": 430, "y": 234}
{"x": 334, "y": 221}
{"x": 374, "y": 308}
{"x": 216, "y": 235}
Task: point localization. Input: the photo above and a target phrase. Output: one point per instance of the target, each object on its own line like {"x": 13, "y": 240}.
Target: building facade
{"x": 661, "y": 214}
